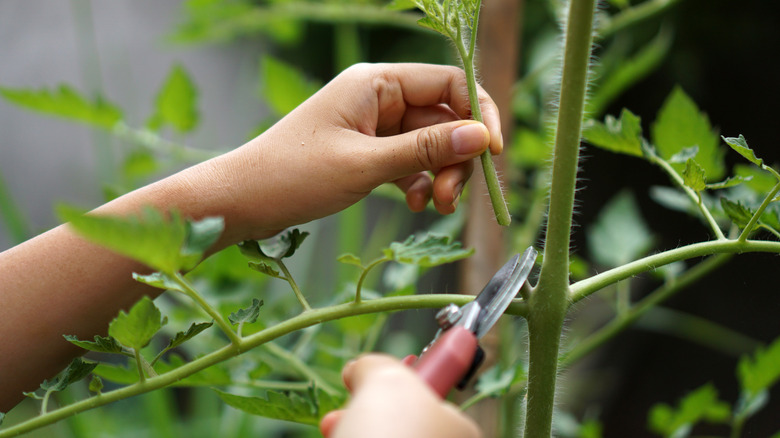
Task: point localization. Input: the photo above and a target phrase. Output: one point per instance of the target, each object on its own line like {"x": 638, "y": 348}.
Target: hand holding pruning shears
{"x": 387, "y": 397}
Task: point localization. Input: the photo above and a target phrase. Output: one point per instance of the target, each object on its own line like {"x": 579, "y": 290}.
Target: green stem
{"x": 298, "y": 365}
{"x": 754, "y": 220}
{"x": 622, "y": 321}
{"x": 295, "y": 323}
{"x": 293, "y": 285}
{"x": 583, "y": 288}
{"x": 488, "y": 167}
{"x": 365, "y": 272}
{"x": 139, "y": 364}
{"x": 549, "y": 300}
{"x": 211, "y": 311}
{"x": 695, "y": 197}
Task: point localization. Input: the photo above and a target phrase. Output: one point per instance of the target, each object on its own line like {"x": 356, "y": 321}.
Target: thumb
{"x": 434, "y": 147}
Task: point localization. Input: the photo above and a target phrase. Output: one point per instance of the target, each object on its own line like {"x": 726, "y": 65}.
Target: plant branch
{"x": 304, "y": 370}
{"x": 695, "y": 197}
{"x": 363, "y": 274}
{"x": 754, "y": 220}
{"x": 293, "y": 285}
{"x": 211, "y": 311}
{"x": 625, "y": 319}
{"x": 583, "y": 288}
{"x": 303, "y": 320}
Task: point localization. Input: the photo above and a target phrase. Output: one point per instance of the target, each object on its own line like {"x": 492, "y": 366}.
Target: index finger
{"x": 424, "y": 85}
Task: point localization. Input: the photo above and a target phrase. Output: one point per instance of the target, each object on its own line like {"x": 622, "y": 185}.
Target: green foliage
{"x": 248, "y": 315}
{"x": 67, "y": 103}
{"x": 619, "y": 234}
{"x": 101, "y": 344}
{"x": 182, "y": 337}
{"x": 427, "y": 250}
{"x": 306, "y": 408}
{"x": 623, "y": 135}
{"x": 694, "y": 175}
{"x": 177, "y": 103}
{"x": 167, "y": 245}
{"x": 279, "y": 247}
{"x": 679, "y": 125}
{"x": 740, "y": 145}
{"x": 761, "y": 371}
{"x": 136, "y": 328}
{"x": 76, "y": 370}
{"x": 699, "y": 405}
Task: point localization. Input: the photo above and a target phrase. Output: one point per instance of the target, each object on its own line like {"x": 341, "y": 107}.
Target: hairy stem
{"x": 550, "y": 299}
{"x": 211, "y": 311}
{"x": 293, "y": 285}
{"x": 754, "y": 220}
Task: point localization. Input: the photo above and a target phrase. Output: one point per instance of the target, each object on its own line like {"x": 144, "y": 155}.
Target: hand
{"x": 390, "y": 400}
{"x": 372, "y": 124}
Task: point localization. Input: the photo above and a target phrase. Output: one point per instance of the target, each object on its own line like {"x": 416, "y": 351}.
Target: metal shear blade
{"x": 502, "y": 289}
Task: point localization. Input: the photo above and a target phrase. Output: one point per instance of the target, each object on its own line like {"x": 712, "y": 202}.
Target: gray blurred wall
{"x": 44, "y": 43}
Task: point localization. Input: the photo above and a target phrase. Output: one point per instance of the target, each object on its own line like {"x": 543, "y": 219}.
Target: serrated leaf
{"x": 159, "y": 280}
{"x": 284, "y": 86}
{"x": 694, "y": 175}
{"x": 136, "y": 328}
{"x": 76, "y": 370}
{"x": 732, "y": 181}
{"x": 276, "y": 248}
{"x": 740, "y": 145}
{"x": 295, "y": 407}
{"x": 762, "y": 370}
{"x": 623, "y": 135}
{"x": 738, "y": 213}
{"x": 684, "y": 155}
{"x": 67, "y": 103}
{"x": 265, "y": 268}
{"x": 147, "y": 237}
{"x": 428, "y": 250}
{"x": 429, "y": 23}
{"x": 182, "y": 337}
{"x": 96, "y": 384}
{"x": 681, "y": 125}
{"x": 177, "y": 102}
{"x": 101, "y": 344}
{"x": 350, "y": 259}
{"x": 619, "y": 234}
{"x": 248, "y": 315}
{"x": 699, "y": 405}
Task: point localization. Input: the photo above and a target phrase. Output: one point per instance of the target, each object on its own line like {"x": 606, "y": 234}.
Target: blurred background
{"x": 240, "y": 56}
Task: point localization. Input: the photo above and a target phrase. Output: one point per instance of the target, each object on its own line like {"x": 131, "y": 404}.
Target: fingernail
{"x": 470, "y": 138}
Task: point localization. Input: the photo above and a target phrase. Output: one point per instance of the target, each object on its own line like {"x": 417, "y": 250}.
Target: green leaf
{"x": 137, "y": 327}
{"x": 684, "y": 155}
{"x": 281, "y": 246}
{"x": 619, "y": 234}
{"x": 740, "y": 145}
{"x": 177, "y": 103}
{"x": 350, "y": 259}
{"x": 732, "y": 181}
{"x": 266, "y": 269}
{"x": 755, "y": 178}
{"x": 623, "y": 135}
{"x": 101, "y": 344}
{"x": 295, "y": 407}
{"x": 67, "y": 103}
{"x": 681, "y": 125}
{"x": 159, "y": 280}
{"x": 428, "y": 250}
{"x": 530, "y": 149}
{"x": 163, "y": 244}
{"x": 96, "y": 384}
{"x": 211, "y": 376}
{"x": 248, "y": 315}
{"x": 202, "y": 234}
{"x": 284, "y": 86}
{"x": 591, "y": 429}
{"x": 699, "y": 405}
{"x": 182, "y": 337}
{"x": 401, "y": 5}
{"x": 762, "y": 370}
{"x": 694, "y": 175}
{"x": 76, "y": 370}
{"x": 738, "y": 213}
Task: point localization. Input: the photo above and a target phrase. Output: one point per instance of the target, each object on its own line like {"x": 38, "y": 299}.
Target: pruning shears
{"x": 453, "y": 356}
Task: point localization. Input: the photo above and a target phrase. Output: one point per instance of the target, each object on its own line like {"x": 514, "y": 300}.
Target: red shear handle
{"x": 448, "y": 360}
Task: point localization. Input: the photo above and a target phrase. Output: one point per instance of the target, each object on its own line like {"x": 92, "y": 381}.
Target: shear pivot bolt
{"x": 448, "y": 316}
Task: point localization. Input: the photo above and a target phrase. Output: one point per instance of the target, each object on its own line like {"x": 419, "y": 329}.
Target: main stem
{"x": 549, "y": 301}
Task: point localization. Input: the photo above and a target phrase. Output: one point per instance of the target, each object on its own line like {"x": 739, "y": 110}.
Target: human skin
{"x": 374, "y": 123}
{"x": 389, "y": 400}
